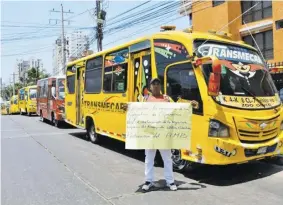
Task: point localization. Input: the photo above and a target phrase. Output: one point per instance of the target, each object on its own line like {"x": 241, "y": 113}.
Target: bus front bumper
{"x": 31, "y": 109}
{"x": 227, "y": 151}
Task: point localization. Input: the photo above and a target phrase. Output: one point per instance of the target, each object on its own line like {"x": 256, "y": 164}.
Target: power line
{"x": 48, "y": 25}
{"x": 63, "y": 40}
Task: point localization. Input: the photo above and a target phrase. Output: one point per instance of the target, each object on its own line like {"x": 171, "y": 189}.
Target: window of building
{"x": 217, "y": 2}
{"x": 264, "y": 41}
{"x": 71, "y": 83}
{"x": 182, "y": 84}
{"x": 115, "y": 71}
{"x": 261, "y": 11}
{"x": 279, "y": 24}
{"x": 93, "y": 75}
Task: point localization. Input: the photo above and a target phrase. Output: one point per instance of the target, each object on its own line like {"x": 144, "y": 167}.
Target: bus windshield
{"x": 61, "y": 89}
{"x": 243, "y": 73}
{"x": 32, "y": 93}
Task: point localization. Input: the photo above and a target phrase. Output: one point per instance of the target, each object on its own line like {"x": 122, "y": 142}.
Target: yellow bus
{"x": 237, "y": 118}
{"x": 14, "y": 106}
{"x": 27, "y": 100}
{"x": 5, "y": 107}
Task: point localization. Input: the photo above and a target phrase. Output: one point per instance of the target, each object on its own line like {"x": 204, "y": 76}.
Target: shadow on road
{"x": 63, "y": 125}
{"x": 160, "y": 185}
{"x": 233, "y": 174}
{"x": 212, "y": 175}
{"x": 32, "y": 115}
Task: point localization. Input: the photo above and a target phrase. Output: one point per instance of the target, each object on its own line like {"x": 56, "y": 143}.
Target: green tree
{"x": 8, "y": 90}
{"x": 33, "y": 75}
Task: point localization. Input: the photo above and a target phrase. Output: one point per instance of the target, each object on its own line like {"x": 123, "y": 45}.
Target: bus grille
{"x": 257, "y": 136}
{"x": 253, "y": 152}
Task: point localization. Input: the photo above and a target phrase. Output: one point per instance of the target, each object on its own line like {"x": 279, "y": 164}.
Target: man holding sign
{"x": 153, "y": 126}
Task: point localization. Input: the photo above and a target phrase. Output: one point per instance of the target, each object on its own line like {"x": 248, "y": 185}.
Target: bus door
{"x": 79, "y": 96}
{"x": 70, "y": 98}
{"x": 51, "y": 102}
{"x": 142, "y": 74}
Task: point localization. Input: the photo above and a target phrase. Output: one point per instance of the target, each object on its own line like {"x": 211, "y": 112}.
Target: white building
{"x": 22, "y": 66}
{"x": 76, "y": 43}
{"x": 57, "y": 60}
{"x": 36, "y": 63}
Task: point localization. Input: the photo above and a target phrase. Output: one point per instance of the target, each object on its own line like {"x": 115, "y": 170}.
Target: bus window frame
{"x": 169, "y": 40}
{"x": 68, "y": 91}
{"x": 102, "y": 74}
{"x": 128, "y": 77}
{"x": 200, "y": 110}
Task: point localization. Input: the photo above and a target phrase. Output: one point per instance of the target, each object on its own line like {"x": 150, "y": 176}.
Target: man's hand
{"x": 125, "y": 106}
{"x": 195, "y": 104}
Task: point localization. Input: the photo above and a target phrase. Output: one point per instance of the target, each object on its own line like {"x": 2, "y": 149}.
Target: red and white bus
{"x": 51, "y": 99}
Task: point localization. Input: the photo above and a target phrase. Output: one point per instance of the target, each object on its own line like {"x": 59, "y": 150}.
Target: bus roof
{"x": 56, "y": 77}
{"x": 169, "y": 34}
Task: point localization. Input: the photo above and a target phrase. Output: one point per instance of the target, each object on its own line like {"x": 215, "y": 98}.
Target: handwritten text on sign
{"x": 158, "y": 125}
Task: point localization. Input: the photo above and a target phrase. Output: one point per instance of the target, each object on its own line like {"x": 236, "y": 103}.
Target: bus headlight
{"x": 217, "y": 129}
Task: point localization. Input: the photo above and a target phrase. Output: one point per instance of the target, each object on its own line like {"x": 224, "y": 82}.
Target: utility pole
{"x": 13, "y": 82}
{"x": 63, "y": 40}
{"x": 1, "y": 87}
{"x": 100, "y": 15}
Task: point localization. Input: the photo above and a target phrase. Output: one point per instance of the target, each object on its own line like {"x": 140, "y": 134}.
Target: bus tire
{"x": 41, "y": 118}
{"x": 91, "y": 134}
{"x": 179, "y": 164}
{"x": 54, "y": 121}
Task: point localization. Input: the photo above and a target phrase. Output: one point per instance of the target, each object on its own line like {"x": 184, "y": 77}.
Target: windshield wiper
{"x": 251, "y": 94}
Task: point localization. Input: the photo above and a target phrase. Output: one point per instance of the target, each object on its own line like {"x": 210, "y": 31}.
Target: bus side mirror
{"x": 53, "y": 92}
{"x": 214, "y": 79}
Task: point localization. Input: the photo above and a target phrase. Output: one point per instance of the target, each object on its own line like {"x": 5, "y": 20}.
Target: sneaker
{"x": 147, "y": 186}
{"x": 172, "y": 187}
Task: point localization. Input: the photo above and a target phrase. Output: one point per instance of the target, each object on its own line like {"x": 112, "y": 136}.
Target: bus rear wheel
{"x": 41, "y": 118}
{"x": 55, "y": 122}
{"x": 91, "y": 134}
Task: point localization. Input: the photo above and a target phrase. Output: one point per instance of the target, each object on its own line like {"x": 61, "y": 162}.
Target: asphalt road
{"x": 42, "y": 164}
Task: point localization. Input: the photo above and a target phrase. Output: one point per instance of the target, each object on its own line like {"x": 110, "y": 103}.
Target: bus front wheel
{"x": 91, "y": 134}
{"x": 178, "y": 163}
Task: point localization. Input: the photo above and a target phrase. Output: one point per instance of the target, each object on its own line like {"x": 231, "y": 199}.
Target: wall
{"x": 206, "y": 17}
{"x": 234, "y": 16}
{"x": 277, "y": 13}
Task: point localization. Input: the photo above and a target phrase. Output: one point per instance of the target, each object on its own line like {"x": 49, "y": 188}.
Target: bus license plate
{"x": 262, "y": 150}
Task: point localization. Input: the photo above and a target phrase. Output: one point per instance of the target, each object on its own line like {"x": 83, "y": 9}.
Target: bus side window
{"x": 93, "y": 75}
{"x": 71, "y": 83}
{"x": 116, "y": 71}
{"x": 167, "y": 52}
{"x": 182, "y": 84}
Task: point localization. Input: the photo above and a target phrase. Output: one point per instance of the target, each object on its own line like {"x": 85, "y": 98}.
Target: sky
{"x": 26, "y": 31}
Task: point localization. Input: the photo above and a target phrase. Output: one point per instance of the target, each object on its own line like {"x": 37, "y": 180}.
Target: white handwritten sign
{"x": 158, "y": 125}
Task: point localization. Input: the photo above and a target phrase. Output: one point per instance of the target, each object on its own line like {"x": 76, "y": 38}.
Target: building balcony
{"x": 186, "y": 7}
